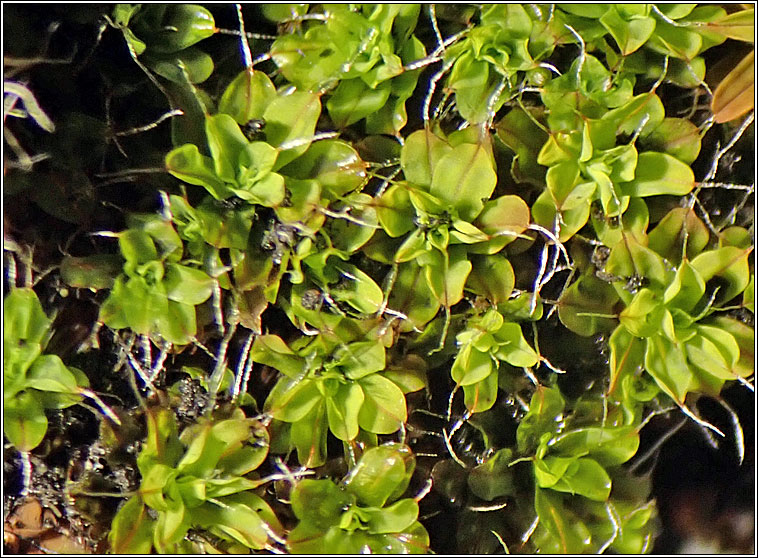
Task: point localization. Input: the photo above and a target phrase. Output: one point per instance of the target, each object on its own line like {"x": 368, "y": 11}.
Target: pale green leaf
{"x": 291, "y": 121}
{"x": 342, "y": 411}
{"x": 24, "y": 421}
{"x": 420, "y": 155}
{"x": 465, "y": 178}
{"x": 471, "y": 366}
{"x": 23, "y": 318}
{"x": 247, "y": 96}
{"x": 660, "y": 173}
{"x": 481, "y": 396}
{"x": 187, "y": 164}
{"x": 382, "y": 474}
{"x": 383, "y": 410}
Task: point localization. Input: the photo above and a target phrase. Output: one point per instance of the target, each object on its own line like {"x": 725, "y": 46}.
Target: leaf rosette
{"x": 341, "y": 389}
{"x": 362, "y": 514}
{"x": 32, "y": 381}
{"x": 200, "y": 479}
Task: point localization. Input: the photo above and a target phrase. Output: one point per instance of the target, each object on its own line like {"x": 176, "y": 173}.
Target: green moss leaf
{"x": 631, "y": 258}
{"x": 730, "y": 264}
{"x": 550, "y": 470}
{"x": 395, "y": 212}
{"x": 471, "y": 366}
{"x": 91, "y": 272}
{"x": 546, "y": 404}
{"x": 226, "y": 142}
{"x": 667, "y": 238}
{"x": 587, "y": 305}
{"x": 314, "y": 59}
{"x": 320, "y": 503}
{"x": 571, "y": 220}
{"x": 739, "y": 25}
{"x": 642, "y": 114}
{"x": 686, "y": 290}
{"x": 748, "y": 295}
{"x": 333, "y": 163}
{"x": 235, "y": 521}
{"x": 162, "y": 444}
{"x": 132, "y": 529}
{"x": 217, "y": 226}
{"x": 254, "y": 164}
{"x": 361, "y": 358}
{"x": 629, "y": 34}
{"x": 745, "y": 337}
{"x": 678, "y": 42}
{"x": 493, "y": 478}
{"x": 676, "y": 11}
{"x": 518, "y": 131}
{"x": 381, "y": 475}
{"x": 627, "y": 355}
{"x": 704, "y": 354}
{"x": 342, "y": 411}
{"x": 349, "y": 236}
{"x": 187, "y": 285}
{"x": 392, "y": 117}
{"x": 491, "y": 277}
{"x": 414, "y": 540}
{"x": 23, "y": 318}
{"x": 414, "y": 246}
{"x": 644, "y": 315}
{"x": 592, "y": 11}
{"x": 308, "y": 435}
{"x": 634, "y": 222}
{"x": 24, "y": 421}
{"x": 251, "y": 452}
{"x": 291, "y": 119}
{"x": 142, "y": 304}
{"x": 677, "y": 137}
{"x": 667, "y": 364}
{"x": 470, "y": 79}
{"x": 383, "y": 410}
{"x": 190, "y": 64}
{"x": 174, "y": 27}
{"x": 155, "y": 482}
{"x": 412, "y": 296}
{"x": 187, "y": 164}
{"x": 447, "y": 282}
{"x": 723, "y": 340}
{"x": 481, "y": 396}
{"x": 420, "y": 155}
{"x": 569, "y": 535}
{"x": 177, "y": 324}
{"x": 272, "y": 351}
{"x": 585, "y": 477}
{"x": 203, "y": 450}
{"x": 502, "y": 219}
{"x": 358, "y": 290}
{"x": 659, "y": 173}
{"x": 137, "y": 246}
{"x": 393, "y": 519}
{"x": 48, "y": 373}
{"x": 608, "y": 446}
{"x": 465, "y": 178}
{"x": 513, "y": 348}
{"x": 353, "y": 100}
{"x": 292, "y": 400}
{"x": 247, "y": 96}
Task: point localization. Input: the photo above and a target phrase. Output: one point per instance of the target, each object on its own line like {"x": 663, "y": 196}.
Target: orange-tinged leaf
{"x": 738, "y": 25}
{"x": 735, "y": 95}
